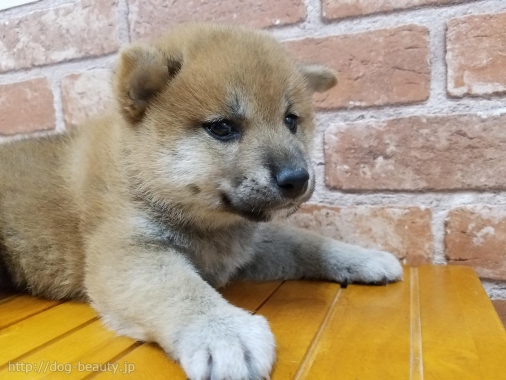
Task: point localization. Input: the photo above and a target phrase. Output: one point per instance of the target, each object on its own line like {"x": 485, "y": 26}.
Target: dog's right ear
{"x": 318, "y": 77}
{"x": 143, "y": 71}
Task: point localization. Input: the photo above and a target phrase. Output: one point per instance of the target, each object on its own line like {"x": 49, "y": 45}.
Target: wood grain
{"x": 436, "y": 324}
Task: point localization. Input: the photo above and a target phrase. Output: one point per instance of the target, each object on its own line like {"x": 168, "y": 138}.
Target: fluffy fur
{"x": 144, "y": 213}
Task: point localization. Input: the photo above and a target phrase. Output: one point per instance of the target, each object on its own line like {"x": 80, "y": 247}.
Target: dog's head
{"x": 220, "y": 122}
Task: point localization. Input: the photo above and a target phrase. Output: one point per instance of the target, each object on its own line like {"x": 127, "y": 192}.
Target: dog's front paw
{"x": 355, "y": 264}
{"x": 377, "y": 267}
{"x": 231, "y": 344}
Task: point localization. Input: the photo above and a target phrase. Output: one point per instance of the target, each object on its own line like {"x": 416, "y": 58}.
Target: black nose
{"x": 292, "y": 182}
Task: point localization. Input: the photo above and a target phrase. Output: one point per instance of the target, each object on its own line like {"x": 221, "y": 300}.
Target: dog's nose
{"x": 292, "y": 182}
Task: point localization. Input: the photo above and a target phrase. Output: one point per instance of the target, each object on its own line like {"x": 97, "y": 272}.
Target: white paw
{"x": 378, "y": 267}
{"x": 231, "y": 344}
{"x": 349, "y": 263}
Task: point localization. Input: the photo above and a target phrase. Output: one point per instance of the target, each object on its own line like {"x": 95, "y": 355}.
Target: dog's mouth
{"x": 263, "y": 210}
{"x": 253, "y": 214}
{"x": 256, "y": 216}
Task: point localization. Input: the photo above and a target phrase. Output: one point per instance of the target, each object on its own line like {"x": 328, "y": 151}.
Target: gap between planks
{"x": 416, "y": 356}
{"x": 310, "y": 355}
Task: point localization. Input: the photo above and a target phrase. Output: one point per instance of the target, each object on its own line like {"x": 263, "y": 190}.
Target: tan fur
{"x": 135, "y": 209}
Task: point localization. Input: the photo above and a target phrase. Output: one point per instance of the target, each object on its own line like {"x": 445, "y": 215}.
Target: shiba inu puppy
{"x": 146, "y": 210}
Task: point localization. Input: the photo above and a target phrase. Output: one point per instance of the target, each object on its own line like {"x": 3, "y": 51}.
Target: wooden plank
{"x": 66, "y": 357}
{"x": 106, "y": 353}
{"x": 249, "y": 295}
{"x": 437, "y": 324}
{"x": 449, "y": 350}
{"x": 35, "y": 331}
{"x": 147, "y": 362}
{"x": 483, "y": 323}
{"x": 367, "y": 336}
{"x": 295, "y": 312}
{"x": 22, "y": 307}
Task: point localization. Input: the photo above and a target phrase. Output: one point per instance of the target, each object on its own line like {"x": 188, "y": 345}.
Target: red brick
{"x": 87, "y": 28}
{"x": 26, "y": 107}
{"x": 418, "y": 153}
{"x": 404, "y": 231}
{"x": 336, "y": 9}
{"x": 152, "y": 17}
{"x": 85, "y": 95}
{"x": 476, "y": 237}
{"x": 476, "y": 55}
{"x": 388, "y": 66}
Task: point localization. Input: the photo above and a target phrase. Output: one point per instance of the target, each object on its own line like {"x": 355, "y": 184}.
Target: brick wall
{"x": 411, "y": 146}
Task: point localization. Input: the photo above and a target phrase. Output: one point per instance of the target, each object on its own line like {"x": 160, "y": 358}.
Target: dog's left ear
{"x": 143, "y": 71}
{"x": 318, "y": 77}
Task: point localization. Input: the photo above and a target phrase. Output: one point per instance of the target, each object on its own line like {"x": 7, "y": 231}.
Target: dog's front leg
{"x": 152, "y": 293}
{"x": 287, "y": 253}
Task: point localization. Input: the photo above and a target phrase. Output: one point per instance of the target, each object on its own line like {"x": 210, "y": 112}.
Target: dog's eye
{"x": 291, "y": 122}
{"x": 222, "y": 130}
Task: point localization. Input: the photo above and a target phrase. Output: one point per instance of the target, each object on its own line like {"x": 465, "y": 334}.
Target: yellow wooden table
{"x": 437, "y": 324}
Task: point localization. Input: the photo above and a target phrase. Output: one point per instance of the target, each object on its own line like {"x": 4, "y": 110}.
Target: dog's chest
{"x": 217, "y": 261}
{"x": 215, "y": 254}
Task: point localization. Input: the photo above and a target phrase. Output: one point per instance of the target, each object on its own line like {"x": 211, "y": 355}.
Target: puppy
{"x": 146, "y": 210}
